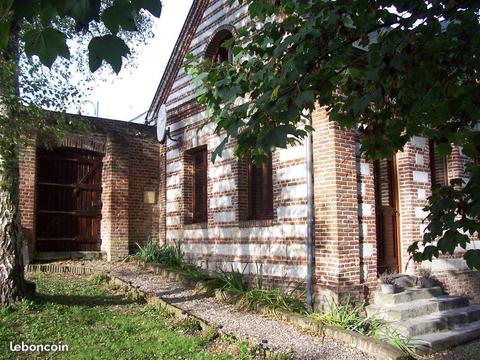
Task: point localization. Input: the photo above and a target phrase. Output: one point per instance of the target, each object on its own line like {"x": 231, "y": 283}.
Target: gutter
{"x": 310, "y": 218}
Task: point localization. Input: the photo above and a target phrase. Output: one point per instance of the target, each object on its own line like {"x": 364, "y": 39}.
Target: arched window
{"x": 215, "y": 51}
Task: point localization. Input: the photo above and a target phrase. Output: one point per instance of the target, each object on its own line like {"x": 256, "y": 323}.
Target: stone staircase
{"x": 434, "y": 321}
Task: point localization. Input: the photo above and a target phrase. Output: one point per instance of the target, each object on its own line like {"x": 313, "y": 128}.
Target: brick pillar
{"x": 414, "y": 185}
{"x": 115, "y": 173}
{"x": 27, "y": 178}
{"x": 337, "y": 250}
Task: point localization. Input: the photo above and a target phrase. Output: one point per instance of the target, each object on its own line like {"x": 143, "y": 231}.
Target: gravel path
{"x": 280, "y": 336}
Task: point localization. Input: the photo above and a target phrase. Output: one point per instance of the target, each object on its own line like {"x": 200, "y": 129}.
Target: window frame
{"x": 433, "y": 166}
{"x": 199, "y": 216}
{"x": 267, "y": 196}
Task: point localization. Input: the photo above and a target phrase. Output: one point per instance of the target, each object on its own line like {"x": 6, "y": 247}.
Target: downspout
{"x": 310, "y": 218}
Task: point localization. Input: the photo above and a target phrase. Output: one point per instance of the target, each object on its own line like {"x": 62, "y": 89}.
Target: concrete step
{"x": 446, "y": 339}
{"x": 409, "y": 294}
{"x": 438, "y": 321}
{"x": 409, "y": 310}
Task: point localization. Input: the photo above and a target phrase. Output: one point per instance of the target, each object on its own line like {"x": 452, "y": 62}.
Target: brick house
{"x": 230, "y": 214}
{"x": 93, "y": 194}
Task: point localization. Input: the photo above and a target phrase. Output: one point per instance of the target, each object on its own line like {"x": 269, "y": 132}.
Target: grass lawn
{"x": 97, "y": 322}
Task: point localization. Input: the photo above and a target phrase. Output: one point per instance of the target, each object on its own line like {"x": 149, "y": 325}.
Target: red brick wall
{"x": 130, "y": 167}
{"x": 27, "y": 172}
{"x": 337, "y": 243}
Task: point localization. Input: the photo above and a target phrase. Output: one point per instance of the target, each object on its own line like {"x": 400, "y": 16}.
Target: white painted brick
{"x": 219, "y": 171}
{"x": 172, "y": 154}
{"x": 363, "y": 189}
{"x": 422, "y": 228}
{"x": 365, "y": 210}
{"x": 365, "y": 169}
{"x": 292, "y": 211}
{"x": 418, "y": 142}
{"x": 419, "y": 159}
{"x": 366, "y": 250}
{"x": 448, "y": 264}
{"x": 419, "y": 213}
{"x": 294, "y": 192}
{"x": 421, "y": 194}
{"x": 173, "y": 180}
{"x": 173, "y": 194}
{"x": 173, "y": 220}
{"x": 196, "y": 234}
{"x": 220, "y": 202}
{"x": 175, "y": 166}
{"x": 227, "y": 154}
{"x": 364, "y": 229}
{"x": 173, "y": 235}
{"x": 227, "y": 216}
{"x": 278, "y": 250}
{"x": 292, "y": 153}
{"x": 420, "y": 176}
{"x": 297, "y": 250}
{"x": 224, "y": 185}
{"x": 172, "y": 206}
{"x": 291, "y": 173}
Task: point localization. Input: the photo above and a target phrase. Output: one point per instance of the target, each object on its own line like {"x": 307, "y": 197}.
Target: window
{"x": 438, "y": 167}
{"x": 215, "y": 49}
{"x": 260, "y": 191}
{"x": 199, "y": 185}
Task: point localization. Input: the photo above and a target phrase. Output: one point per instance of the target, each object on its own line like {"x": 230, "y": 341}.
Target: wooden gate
{"x": 387, "y": 219}
{"x": 69, "y": 189}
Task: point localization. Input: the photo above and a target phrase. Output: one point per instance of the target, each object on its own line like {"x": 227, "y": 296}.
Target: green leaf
{"x": 109, "y": 48}
{"x": 4, "y": 34}
{"x": 472, "y": 257}
{"x": 120, "y": 14}
{"x": 153, "y": 6}
{"x": 47, "y": 44}
{"x": 83, "y": 11}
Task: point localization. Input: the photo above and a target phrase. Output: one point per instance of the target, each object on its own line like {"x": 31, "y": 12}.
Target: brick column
{"x": 414, "y": 185}
{"x": 27, "y": 178}
{"x": 114, "y": 228}
{"x": 337, "y": 250}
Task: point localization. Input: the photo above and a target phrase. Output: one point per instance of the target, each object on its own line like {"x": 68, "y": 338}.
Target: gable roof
{"x": 189, "y": 28}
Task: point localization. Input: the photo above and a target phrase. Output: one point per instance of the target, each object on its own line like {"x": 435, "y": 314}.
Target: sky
{"x": 127, "y": 95}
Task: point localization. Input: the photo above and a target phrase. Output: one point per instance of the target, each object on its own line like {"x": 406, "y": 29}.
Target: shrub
{"x": 167, "y": 254}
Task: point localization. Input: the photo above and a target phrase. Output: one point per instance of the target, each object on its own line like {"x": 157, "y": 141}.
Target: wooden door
{"x": 69, "y": 189}
{"x": 387, "y": 219}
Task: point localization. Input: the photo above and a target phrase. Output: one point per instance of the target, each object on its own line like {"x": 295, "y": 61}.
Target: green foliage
{"x": 97, "y": 324}
{"x": 232, "y": 288}
{"x": 48, "y": 41}
{"x": 348, "y": 316}
{"x": 109, "y": 48}
{"x": 99, "y": 278}
{"x": 390, "y": 70}
{"x": 167, "y": 255}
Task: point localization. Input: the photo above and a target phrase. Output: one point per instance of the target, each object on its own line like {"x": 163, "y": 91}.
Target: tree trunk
{"x": 12, "y": 284}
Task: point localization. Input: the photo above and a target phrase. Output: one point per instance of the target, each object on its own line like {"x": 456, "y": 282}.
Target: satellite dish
{"x": 162, "y": 124}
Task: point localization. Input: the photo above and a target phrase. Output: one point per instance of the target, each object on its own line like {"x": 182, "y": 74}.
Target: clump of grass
{"x": 167, "y": 254}
{"x": 348, "y": 316}
{"x": 99, "y": 278}
{"x": 232, "y": 288}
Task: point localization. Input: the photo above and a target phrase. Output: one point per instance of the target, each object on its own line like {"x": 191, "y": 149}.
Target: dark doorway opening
{"x": 69, "y": 206}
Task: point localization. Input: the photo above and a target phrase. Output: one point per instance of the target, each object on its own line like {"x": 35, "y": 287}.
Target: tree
{"x": 389, "y": 69}
{"x": 34, "y": 34}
